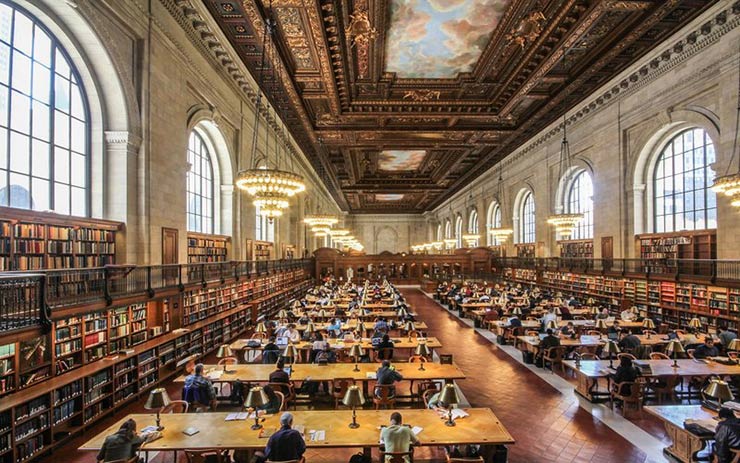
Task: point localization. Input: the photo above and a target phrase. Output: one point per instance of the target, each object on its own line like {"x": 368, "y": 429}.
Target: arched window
{"x": 439, "y": 232}
{"x": 459, "y": 231}
{"x": 265, "y": 228}
{"x": 683, "y": 175}
{"x": 200, "y": 186}
{"x": 44, "y": 123}
{"x": 580, "y": 200}
{"x": 448, "y": 229}
{"x": 473, "y": 222}
{"x": 527, "y": 219}
{"x": 494, "y": 221}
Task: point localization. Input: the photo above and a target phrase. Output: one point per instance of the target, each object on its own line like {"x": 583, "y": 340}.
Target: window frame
{"x": 524, "y": 223}
{"x": 201, "y": 140}
{"x": 585, "y": 228}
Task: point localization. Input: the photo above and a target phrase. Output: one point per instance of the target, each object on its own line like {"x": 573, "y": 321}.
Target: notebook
{"x": 190, "y": 431}
{"x": 281, "y": 341}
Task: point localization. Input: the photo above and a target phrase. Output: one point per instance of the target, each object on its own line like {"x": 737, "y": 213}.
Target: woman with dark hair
{"x": 124, "y": 444}
{"x": 273, "y": 403}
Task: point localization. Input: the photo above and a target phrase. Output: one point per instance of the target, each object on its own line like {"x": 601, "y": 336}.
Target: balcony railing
{"x": 27, "y": 299}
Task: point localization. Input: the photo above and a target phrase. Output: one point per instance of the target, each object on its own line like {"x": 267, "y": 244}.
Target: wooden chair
{"x": 413, "y": 334}
{"x": 634, "y": 398}
{"x": 426, "y": 395}
{"x": 659, "y": 356}
{"x": 339, "y": 388}
{"x": 554, "y": 355}
{"x": 690, "y": 353}
{"x": 384, "y": 395}
{"x": 288, "y": 391}
{"x": 176, "y": 406}
{"x": 385, "y": 353}
{"x": 664, "y": 385}
{"x": 531, "y": 333}
{"x": 280, "y": 396}
{"x": 449, "y": 459}
{"x": 593, "y": 333}
{"x": 207, "y": 455}
{"x": 650, "y": 332}
{"x": 510, "y": 335}
{"x": 259, "y": 336}
{"x": 578, "y": 317}
{"x": 589, "y": 356}
{"x": 396, "y": 457}
{"x": 622, "y": 355}
{"x": 133, "y": 459}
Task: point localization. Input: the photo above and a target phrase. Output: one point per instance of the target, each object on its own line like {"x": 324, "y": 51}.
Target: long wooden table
{"x": 481, "y": 427}
{"x": 352, "y": 324}
{"x": 303, "y": 371}
{"x": 685, "y": 445}
{"x": 590, "y": 371}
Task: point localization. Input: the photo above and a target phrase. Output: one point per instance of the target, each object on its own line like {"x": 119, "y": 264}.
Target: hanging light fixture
{"x": 729, "y": 184}
{"x": 320, "y": 219}
{"x": 337, "y": 233}
{"x": 499, "y": 234}
{"x": 270, "y": 187}
{"x": 564, "y": 223}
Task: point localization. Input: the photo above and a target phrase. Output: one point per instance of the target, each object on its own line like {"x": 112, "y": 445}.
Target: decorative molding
{"x": 122, "y": 140}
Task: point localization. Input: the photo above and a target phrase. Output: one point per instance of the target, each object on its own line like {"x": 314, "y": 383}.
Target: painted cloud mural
{"x": 439, "y": 38}
{"x": 398, "y": 160}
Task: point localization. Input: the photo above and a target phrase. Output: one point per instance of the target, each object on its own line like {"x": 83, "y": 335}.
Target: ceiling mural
{"x": 439, "y": 38}
{"x": 400, "y": 160}
{"x": 399, "y": 104}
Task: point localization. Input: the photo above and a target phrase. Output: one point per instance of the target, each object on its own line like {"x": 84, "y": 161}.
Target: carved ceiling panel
{"x": 415, "y": 98}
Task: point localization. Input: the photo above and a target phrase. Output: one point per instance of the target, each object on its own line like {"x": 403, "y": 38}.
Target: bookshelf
{"x": 207, "y": 248}
{"x": 581, "y": 249}
{"x": 260, "y": 250}
{"x": 681, "y": 245}
{"x": 32, "y": 240}
{"x": 525, "y": 250}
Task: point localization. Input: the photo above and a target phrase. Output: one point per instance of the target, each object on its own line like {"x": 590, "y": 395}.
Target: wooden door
{"x": 607, "y": 251}
{"x": 169, "y": 254}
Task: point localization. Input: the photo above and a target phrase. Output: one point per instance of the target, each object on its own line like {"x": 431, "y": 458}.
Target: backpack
{"x": 360, "y": 458}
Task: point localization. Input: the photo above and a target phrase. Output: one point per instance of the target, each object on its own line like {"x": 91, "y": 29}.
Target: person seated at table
{"x": 565, "y": 313}
{"x": 334, "y": 327}
{"x": 124, "y": 443}
{"x": 603, "y": 315}
{"x": 629, "y": 341}
{"x": 549, "y": 316}
{"x": 339, "y": 312}
{"x": 385, "y": 343}
{"x": 726, "y": 436}
{"x": 626, "y": 372}
{"x": 319, "y": 344}
{"x": 273, "y": 402}
{"x": 381, "y": 325}
{"x": 292, "y": 334}
{"x": 613, "y": 331}
{"x": 279, "y": 375}
{"x": 548, "y": 341}
{"x": 397, "y": 438}
{"x": 304, "y": 319}
{"x": 284, "y": 445}
{"x": 271, "y": 352}
{"x": 387, "y": 376}
{"x": 204, "y": 393}
{"x": 708, "y": 349}
{"x": 627, "y": 315}
{"x": 568, "y": 330}
{"x": 514, "y": 322}
{"x": 726, "y": 336}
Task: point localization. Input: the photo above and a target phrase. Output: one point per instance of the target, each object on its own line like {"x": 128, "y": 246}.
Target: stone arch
{"x": 386, "y": 239}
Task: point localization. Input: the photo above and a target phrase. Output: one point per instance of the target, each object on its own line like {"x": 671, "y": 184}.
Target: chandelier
{"x": 564, "y": 223}
{"x": 320, "y": 230}
{"x": 320, "y": 219}
{"x": 449, "y": 242}
{"x": 271, "y": 188}
{"x": 339, "y": 232}
{"x": 499, "y": 234}
{"x": 470, "y": 238}
{"x": 729, "y": 184}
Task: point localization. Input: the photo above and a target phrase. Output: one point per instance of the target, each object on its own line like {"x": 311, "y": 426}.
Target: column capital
{"x": 122, "y": 140}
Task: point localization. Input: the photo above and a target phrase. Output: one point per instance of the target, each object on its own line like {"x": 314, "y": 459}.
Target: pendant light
{"x": 564, "y": 223}
{"x": 271, "y": 188}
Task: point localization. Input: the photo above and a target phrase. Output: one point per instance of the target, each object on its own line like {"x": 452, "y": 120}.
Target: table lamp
{"x": 590, "y": 301}
{"x": 157, "y": 399}
{"x": 734, "y": 345}
{"x": 557, "y": 311}
{"x": 256, "y": 398}
{"x": 695, "y": 323}
{"x": 449, "y": 397}
{"x": 353, "y": 398}
{"x": 260, "y": 328}
{"x": 516, "y": 310}
{"x": 224, "y": 351}
{"x": 674, "y": 347}
{"x": 290, "y": 352}
{"x": 423, "y": 350}
{"x": 361, "y": 328}
{"x": 356, "y": 351}
{"x": 282, "y": 314}
{"x": 601, "y": 325}
{"x": 594, "y": 311}
{"x": 552, "y": 325}
{"x": 719, "y": 390}
{"x": 409, "y": 327}
{"x": 648, "y": 324}
{"x": 634, "y": 310}
{"x": 310, "y": 328}
{"x": 611, "y": 347}
{"x": 322, "y": 313}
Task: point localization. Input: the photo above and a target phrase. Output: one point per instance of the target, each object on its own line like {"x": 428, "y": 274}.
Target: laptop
{"x": 281, "y": 341}
{"x": 613, "y": 336}
{"x": 288, "y": 370}
{"x": 542, "y": 336}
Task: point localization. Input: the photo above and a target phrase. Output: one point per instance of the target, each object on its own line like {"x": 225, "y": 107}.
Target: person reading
{"x": 387, "y": 376}
{"x": 124, "y": 443}
{"x": 397, "y": 438}
{"x": 285, "y": 445}
{"x": 199, "y": 389}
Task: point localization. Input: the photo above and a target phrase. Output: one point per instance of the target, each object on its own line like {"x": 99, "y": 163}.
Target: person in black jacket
{"x": 726, "y": 436}
{"x": 626, "y": 372}
{"x": 387, "y": 376}
{"x": 707, "y": 349}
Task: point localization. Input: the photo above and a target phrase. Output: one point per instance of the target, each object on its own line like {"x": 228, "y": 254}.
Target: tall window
{"x": 580, "y": 200}
{"x": 439, "y": 232}
{"x": 473, "y": 222}
{"x": 683, "y": 200}
{"x": 527, "y": 219}
{"x": 448, "y": 229}
{"x": 459, "y": 231}
{"x": 200, "y": 186}
{"x": 494, "y": 221}
{"x": 265, "y": 228}
{"x": 44, "y": 129}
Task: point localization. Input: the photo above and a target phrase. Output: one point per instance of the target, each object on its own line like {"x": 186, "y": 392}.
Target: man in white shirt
{"x": 397, "y": 438}
{"x": 550, "y": 315}
{"x": 292, "y": 334}
{"x": 627, "y": 315}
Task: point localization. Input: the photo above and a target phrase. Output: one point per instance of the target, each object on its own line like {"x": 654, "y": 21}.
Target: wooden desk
{"x": 590, "y": 371}
{"x": 352, "y": 324}
{"x": 532, "y": 343}
{"x": 481, "y": 427}
{"x": 685, "y": 445}
{"x": 301, "y": 371}
{"x": 388, "y": 314}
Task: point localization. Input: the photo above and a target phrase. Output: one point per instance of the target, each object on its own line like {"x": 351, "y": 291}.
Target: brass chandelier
{"x": 271, "y": 188}
{"x": 564, "y": 223}
{"x": 314, "y": 220}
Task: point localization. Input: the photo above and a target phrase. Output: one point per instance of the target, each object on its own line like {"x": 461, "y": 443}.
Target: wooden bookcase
{"x": 525, "y": 250}
{"x": 260, "y": 250}
{"x": 49, "y": 410}
{"x": 680, "y": 245}
{"x": 582, "y": 249}
{"x": 32, "y": 240}
{"x": 207, "y": 248}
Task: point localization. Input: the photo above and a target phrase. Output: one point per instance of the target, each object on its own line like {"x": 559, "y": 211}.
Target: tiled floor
{"x": 547, "y": 425}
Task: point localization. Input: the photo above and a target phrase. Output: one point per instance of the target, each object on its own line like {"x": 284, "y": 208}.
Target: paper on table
{"x": 317, "y": 435}
{"x": 416, "y": 430}
{"x": 371, "y": 375}
{"x": 216, "y": 374}
{"x": 732, "y": 405}
{"x": 149, "y": 429}
{"x": 237, "y": 416}
{"x": 458, "y": 413}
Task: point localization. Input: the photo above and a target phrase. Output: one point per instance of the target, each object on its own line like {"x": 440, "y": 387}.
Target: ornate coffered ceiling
{"x": 400, "y": 103}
